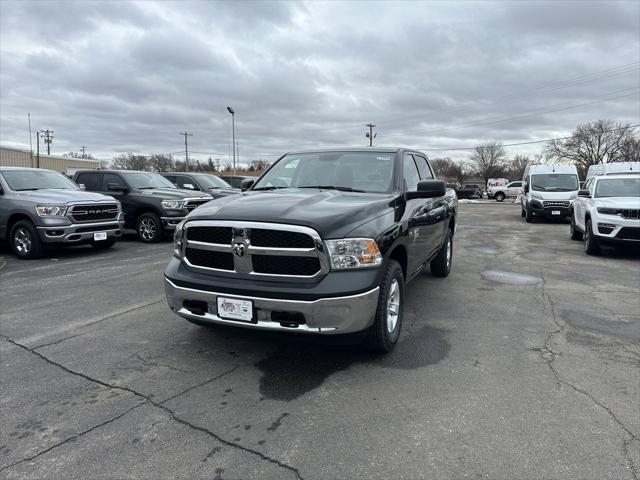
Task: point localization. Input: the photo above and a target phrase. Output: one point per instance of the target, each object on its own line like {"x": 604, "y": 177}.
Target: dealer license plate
{"x": 235, "y": 309}
{"x": 100, "y": 235}
{"x": 555, "y": 212}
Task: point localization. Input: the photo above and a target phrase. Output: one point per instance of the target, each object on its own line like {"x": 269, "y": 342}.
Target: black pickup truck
{"x": 323, "y": 242}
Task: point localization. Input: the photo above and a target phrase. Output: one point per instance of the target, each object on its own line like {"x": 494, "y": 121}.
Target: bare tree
{"x": 441, "y": 166}
{"x": 129, "y": 161}
{"x": 460, "y": 171}
{"x": 631, "y": 150}
{"x": 259, "y": 165}
{"x": 517, "y": 166}
{"x": 78, "y": 155}
{"x": 160, "y": 162}
{"x": 489, "y": 160}
{"x": 602, "y": 141}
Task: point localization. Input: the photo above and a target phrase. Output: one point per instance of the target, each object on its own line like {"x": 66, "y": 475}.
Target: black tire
{"x": 528, "y": 215}
{"x": 591, "y": 246}
{"x": 104, "y": 244}
{"x": 149, "y": 228}
{"x": 523, "y": 212}
{"x": 384, "y": 333}
{"x": 574, "y": 233}
{"x": 500, "y": 197}
{"x": 441, "y": 264}
{"x": 25, "y": 241}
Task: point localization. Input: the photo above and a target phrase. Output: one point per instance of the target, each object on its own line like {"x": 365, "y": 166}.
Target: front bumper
{"x": 77, "y": 233}
{"x": 613, "y": 230}
{"x": 540, "y": 210}
{"x": 169, "y": 223}
{"x": 334, "y": 315}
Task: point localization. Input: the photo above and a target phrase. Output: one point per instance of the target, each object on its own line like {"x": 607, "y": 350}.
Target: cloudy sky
{"x": 124, "y": 76}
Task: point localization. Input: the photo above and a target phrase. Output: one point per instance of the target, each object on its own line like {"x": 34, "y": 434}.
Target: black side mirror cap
{"x": 429, "y": 189}
{"x": 584, "y": 193}
{"x": 246, "y": 184}
{"x": 115, "y": 187}
{"x": 525, "y": 188}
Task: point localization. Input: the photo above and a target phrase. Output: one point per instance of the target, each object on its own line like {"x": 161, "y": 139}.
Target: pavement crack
{"x": 150, "y": 363}
{"x": 201, "y": 384}
{"x": 168, "y": 410}
{"x": 72, "y": 438}
{"x": 635, "y": 470}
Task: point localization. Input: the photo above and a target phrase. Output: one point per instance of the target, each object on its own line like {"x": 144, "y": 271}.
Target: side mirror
{"x": 189, "y": 186}
{"x": 82, "y": 186}
{"x": 526, "y": 188}
{"x": 246, "y": 184}
{"x": 584, "y": 193}
{"x": 116, "y": 187}
{"x": 429, "y": 189}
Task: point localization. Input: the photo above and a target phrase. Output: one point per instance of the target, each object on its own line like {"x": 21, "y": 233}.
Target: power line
{"x": 370, "y": 134}
{"x": 602, "y": 98}
{"x": 48, "y": 138}
{"x": 83, "y": 148}
{"x": 520, "y": 143}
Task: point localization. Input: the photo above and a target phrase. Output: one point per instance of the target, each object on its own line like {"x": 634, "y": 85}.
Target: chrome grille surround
{"x": 94, "y": 212}
{"x": 556, "y": 203}
{"x": 241, "y": 235}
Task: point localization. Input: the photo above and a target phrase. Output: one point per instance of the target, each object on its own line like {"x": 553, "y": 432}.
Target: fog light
{"x": 606, "y": 228}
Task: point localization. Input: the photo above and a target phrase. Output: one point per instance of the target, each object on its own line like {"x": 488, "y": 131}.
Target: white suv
{"x": 504, "y": 191}
{"x": 607, "y": 211}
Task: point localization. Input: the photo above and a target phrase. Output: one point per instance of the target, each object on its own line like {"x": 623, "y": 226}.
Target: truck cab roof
{"x": 615, "y": 168}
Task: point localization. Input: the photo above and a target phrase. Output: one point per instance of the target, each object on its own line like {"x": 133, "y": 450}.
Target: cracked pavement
{"x": 492, "y": 378}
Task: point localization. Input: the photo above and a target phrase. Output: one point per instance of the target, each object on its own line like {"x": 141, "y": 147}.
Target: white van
{"x": 547, "y": 190}
{"x": 615, "y": 168}
{"x": 495, "y": 182}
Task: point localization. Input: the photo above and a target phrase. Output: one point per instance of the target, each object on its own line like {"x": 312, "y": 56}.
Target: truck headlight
{"x": 535, "y": 196}
{"x": 607, "y": 211}
{"x": 51, "y": 210}
{"x": 177, "y": 240}
{"x": 349, "y": 253}
{"x": 173, "y": 204}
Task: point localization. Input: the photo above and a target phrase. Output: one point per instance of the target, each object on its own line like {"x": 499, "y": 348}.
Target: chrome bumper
{"x": 69, "y": 233}
{"x": 169, "y": 223}
{"x": 326, "y": 316}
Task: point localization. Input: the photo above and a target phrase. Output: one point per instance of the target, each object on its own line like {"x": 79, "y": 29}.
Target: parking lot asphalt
{"x": 524, "y": 363}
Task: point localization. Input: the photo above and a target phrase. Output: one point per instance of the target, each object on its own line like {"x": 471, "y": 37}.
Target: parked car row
{"x": 605, "y": 210}
{"x": 40, "y": 207}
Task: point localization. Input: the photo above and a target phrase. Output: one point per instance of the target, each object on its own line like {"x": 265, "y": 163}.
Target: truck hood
{"x": 173, "y": 193}
{"x": 57, "y": 196}
{"x": 331, "y": 213}
{"x": 618, "y": 202}
{"x": 551, "y": 196}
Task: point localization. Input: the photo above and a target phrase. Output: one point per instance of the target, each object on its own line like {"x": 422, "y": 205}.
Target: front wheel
{"x": 149, "y": 228}
{"x": 573, "y": 230}
{"x": 528, "y": 215}
{"x": 25, "y": 241}
{"x": 523, "y": 212}
{"x": 591, "y": 246}
{"x": 500, "y": 197}
{"x": 385, "y": 331}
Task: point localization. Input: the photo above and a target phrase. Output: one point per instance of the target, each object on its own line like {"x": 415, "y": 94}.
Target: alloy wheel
{"x": 22, "y": 241}
{"x": 393, "y": 306}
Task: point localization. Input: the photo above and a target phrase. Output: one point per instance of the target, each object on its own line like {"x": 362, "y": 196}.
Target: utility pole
{"x": 48, "y": 138}
{"x": 186, "y": 149}
{"x": 370, "y": 135}
{"x": 233, "y": 134}
{"x": 38, "y": 149}
{"x": 83, "y": 148}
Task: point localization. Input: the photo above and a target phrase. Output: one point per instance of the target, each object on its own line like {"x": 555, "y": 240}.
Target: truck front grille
{"x": 203, "y": 258}
{"x": 252, "y": 248}
{"x": 193, "y": 204}
{"x": 92, "y": 213}
{"x": 282, "y": 265}
{"x": 556, "y": 204}
{"x": 631, "y": 213}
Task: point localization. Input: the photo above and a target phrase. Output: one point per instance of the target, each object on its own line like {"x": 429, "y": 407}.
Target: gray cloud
{"x": 127, "y": 76}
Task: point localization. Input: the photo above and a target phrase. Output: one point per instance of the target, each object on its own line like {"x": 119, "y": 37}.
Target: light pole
{"x": 233, "y": 135}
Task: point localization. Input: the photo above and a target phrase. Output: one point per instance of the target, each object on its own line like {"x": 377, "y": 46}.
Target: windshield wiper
{"x": 151, "y": 188}
{"x": 333, "y": 187}
{"x": 540, "y": 187}
{"x": 26, "y": 189}
{"x": 270, "y": 187}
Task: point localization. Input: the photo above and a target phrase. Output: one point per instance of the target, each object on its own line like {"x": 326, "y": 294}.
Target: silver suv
{"x": 41, "y": 207}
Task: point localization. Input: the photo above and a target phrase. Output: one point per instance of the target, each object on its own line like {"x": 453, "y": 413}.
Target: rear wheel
{"x": 385, "y": 331}
{"x": 573, "y": 230}
{"x": 149, "y": 228}
{"x": 500, "y": 197}
{"x": 104, "y": 244}
{"x": 441, "y": 264}
{"x": 25, "y": 241}
{"x": 523, "y": 212}
{"x": 591, "y": 246}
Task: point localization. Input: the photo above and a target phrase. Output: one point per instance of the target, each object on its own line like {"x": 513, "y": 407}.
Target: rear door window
{"x": 410, "y": 170}
{"x": 111, "y": 178}
{"x": 91, "y": 181}
{"x": 423, "y": 168}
